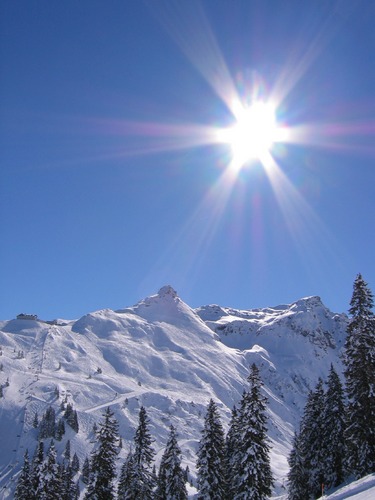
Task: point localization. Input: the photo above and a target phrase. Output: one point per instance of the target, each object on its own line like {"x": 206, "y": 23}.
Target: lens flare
{"x": 253, "y": 135}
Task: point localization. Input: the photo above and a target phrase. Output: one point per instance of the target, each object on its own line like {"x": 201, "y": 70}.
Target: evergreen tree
{"x": 60, "y": 430}
{"x": 67, "y": 451}
{"x": 73, "y": 421}
{"x": 171, "y": 480}
{"x": 68, "y": 411}
{"x": 86, "y": 471}
{"x": 312, "y": 429}
{"x": 333, "y": 431}
{"x": 298, "y": 488}
{"x": 252, "y": 476}
{"x": 143, "y": 478}
{"x": 36, "y": 468}
{"x": 211, "y": 456}
{"x": 75, "y": 463}
{"x": 103, "y": 461}
{"x": 231, "y": 446}
{"x": 125, "y": 489}
{"x": 68, "y": 488}
{"x": 47, "y": 426}
{"x": 71, "y": 417}
{"x": 360, "y": 380}
{"x": 24, "y": 485}
{"x": 50, "y": 483}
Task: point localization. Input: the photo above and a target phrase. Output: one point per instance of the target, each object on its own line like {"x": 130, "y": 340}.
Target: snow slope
{"x": 169, "y": 358}
{"x": 363, "y": 489}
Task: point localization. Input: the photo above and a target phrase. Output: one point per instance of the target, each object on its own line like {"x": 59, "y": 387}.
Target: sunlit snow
{"x": 169, "y": 358}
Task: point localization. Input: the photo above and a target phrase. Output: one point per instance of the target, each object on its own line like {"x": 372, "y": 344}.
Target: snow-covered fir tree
{"x": 211, "y": 456}
{"x": 143, "y": 481}
{"x": 312, "y": 429}
{"x": 68, "y": 487}
{"x": 334, "y": 423}
{"x": 71, "y": 417}
{"x": 36, "y": 468}
{"x": 67, "y": 451}
{"x": 103, "y": 460}
{"x": 318, "y": 449}
{"x": 86, "y": 471}
{"x": 50, "y": 483}
{"x": 231, "y": 445}
{"x": 251, "y": 476}
{"x": 75, "y": 463}
{"x": 24, "y": 485}
{"x": 298, "y": 488}
{"x": 171, "y": 479}
{"x": 360, "y": 381}
{"x": 47, "y": 426}
{"x": 125, "y": 486}
{"x": 60, "y": 429}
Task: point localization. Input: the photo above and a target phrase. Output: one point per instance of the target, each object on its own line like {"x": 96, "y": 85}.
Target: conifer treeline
{"x": 234, "y": 467}
{"x": 336, "y": 439}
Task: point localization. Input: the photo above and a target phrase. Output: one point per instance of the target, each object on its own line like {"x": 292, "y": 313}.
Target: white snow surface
{"x": 169, "y": 358}
{"x": 363, "y": 489}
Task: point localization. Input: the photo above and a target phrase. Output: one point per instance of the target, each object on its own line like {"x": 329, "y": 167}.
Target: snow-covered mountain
{"x": 169, "y": 358}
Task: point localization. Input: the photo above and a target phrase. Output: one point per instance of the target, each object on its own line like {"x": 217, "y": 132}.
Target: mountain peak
{"x": 167, "y": 291}
{"x": 308, "y": 303}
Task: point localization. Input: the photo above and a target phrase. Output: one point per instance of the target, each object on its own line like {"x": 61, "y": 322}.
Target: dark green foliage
{"x": 68, "y": 488}
{"x": 36, "y": 466}
{"x": 308, "y": 455}
{"x": 75, "y": 463}
{"x": 60, "y": 430}
{"x": 50, "y": 482}
{"x": 143, "y": 482}
{"x": 47, "y": 427}
{"x": 86, "y": 471}
{"x": 251, "y": 476}
{"x": 298, "y": 478}
{"x": 211, "y": 456}
{"x": 103, "y": 460}
{"x": 24, "y": 485}
{"x": 125, "y": 489}
{"x": 68, "y": 411}
{"x": 67, "y": 451}
{"x": 231, "y": 445}
{"x": 171, "y": 479}
{"x": 360, "y": 381}
{"x": 71, "y": 417}
{"x": 312, "y": 429}
{"x": 318, "y": 450}
{"x": 334, "y": 423}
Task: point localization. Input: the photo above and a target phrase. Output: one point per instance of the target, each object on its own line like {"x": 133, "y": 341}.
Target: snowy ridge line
{"x": 165, "y": 356}
{"x": 362, "y": 489}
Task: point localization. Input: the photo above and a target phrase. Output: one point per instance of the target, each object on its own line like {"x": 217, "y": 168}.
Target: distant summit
{"x": 167, "y": 291}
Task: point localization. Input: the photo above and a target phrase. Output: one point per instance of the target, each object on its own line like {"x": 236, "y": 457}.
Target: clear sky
{"x": 111, "y": 184}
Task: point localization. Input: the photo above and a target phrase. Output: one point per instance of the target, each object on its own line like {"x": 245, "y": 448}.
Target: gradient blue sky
{"x": 108, "y": 190}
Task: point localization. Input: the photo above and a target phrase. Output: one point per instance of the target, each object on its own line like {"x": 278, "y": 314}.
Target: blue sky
{"x": 109, "y": 188}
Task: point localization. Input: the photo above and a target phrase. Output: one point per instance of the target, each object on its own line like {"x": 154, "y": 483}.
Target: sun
{"x": 253, "y": 134}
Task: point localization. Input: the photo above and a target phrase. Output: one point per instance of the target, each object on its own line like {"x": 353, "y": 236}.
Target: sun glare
{"x": 253, "y": 134}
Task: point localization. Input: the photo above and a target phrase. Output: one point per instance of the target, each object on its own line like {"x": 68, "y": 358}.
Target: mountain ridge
{"x": 170, "y": 358}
